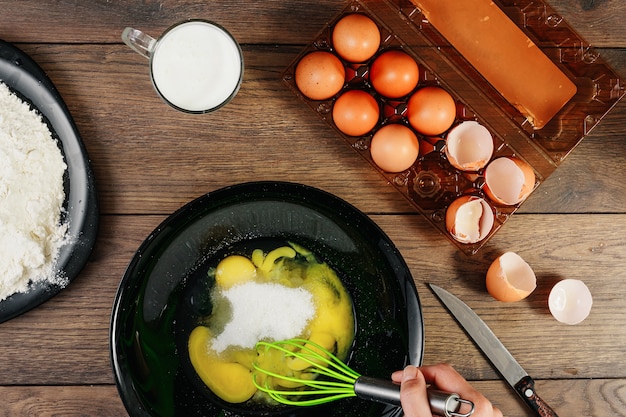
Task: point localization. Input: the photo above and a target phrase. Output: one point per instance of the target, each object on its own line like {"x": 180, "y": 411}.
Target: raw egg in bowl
{"x": 231, "y": 247}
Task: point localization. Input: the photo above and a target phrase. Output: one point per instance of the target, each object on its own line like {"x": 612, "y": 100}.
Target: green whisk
{"x": 339, "y": 381}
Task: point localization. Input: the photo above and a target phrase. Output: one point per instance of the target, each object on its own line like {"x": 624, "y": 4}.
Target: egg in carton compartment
{"x": 538, "y": 137}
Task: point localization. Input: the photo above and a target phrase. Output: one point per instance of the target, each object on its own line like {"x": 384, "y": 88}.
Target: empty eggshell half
{"x": 469, "y": 146}
{"x": 510, "y": 278}
{"x": 570, "y": 301}
{"x": 469, "y": 219}
{"x": 509, "y": 180}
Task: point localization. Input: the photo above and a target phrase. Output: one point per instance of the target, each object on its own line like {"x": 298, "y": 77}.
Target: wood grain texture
{"x": 584, "y": 398}
{"x": 135, "y": 141}
{"x": 49, "y": 401}
{"x": 150, "y": 160}
{"x": 277, "y": 22}
{"x": 73, "y": 326}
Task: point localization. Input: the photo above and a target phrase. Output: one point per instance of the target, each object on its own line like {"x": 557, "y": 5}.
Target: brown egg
{"x": 469, "y": 146}
{"x": 320, "y": 75}
{"x": 431, "y": 110}
{"x": 355, "y": 112}
{"x": 394, "y": 148}
{"x": 469, "y": 219}
{"x": 394, "y": 74}
{"x": 356, "y": 37}
{"x": 508, "y": 180}
{"x": 510, "y": 278}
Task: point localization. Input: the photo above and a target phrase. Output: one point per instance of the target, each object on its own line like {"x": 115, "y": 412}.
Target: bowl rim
{"x": 134, "y": 405}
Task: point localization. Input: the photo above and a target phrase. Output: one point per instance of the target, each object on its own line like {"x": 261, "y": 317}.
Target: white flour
{"x": 31, "y": 198}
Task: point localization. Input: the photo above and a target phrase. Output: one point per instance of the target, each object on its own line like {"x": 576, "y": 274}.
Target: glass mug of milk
{"x": 196, "y": 66}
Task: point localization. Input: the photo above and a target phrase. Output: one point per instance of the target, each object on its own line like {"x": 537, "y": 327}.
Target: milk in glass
{"x": 196, "y": 66}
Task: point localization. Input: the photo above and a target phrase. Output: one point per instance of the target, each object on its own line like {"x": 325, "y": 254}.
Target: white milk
{"x": 196, "y": 66}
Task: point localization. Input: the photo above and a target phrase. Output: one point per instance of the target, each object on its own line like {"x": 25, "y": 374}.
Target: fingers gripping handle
{"x": 449, "y": 405}
{"x": 385, "y": 391}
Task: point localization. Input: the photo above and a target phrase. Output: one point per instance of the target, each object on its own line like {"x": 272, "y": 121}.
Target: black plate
{"x": 26, "y": 79}
{"x": 150, "y": 323}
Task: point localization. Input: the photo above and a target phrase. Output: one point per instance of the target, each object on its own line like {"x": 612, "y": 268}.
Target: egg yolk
{"x": 234, "y": 270}
{"x": 229, "y": 380}
{"x": 229, "y": 374}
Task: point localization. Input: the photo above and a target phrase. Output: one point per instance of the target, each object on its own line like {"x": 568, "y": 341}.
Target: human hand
{"x": 413, "y": 382}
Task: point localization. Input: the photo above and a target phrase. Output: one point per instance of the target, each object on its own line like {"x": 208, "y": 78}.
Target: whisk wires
{"x": 322, "y": 362}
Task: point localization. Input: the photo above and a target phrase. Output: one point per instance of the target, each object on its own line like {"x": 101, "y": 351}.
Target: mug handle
{"x": 139, "y": 41}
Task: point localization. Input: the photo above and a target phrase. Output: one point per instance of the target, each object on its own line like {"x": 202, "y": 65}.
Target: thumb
{"x": 413, "y": 393}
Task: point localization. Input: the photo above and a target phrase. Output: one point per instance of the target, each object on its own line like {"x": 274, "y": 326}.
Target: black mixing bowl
{"x": 157, "y": 303}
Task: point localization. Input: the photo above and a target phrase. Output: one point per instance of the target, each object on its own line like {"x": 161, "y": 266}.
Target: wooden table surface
{"x": 149, "y": 160}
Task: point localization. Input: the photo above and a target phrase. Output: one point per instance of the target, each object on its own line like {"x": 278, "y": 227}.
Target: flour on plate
{"x": 31, "y": 198}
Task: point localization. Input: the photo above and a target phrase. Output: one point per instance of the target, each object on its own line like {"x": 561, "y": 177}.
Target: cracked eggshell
{"x": 570, "y": 301}
{"x": 510, "y": 278}
{"x": 469, "y": 146}
{"x": 508, "y": 180}
{"x": 469, "y": 219}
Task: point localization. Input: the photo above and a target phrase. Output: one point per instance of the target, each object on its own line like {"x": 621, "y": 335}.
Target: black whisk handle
{"x": 385, "y": 391}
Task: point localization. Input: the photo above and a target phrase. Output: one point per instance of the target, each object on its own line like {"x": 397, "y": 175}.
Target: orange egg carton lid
{"x": 532, "y": 81}
{"x": 514, "y": 47}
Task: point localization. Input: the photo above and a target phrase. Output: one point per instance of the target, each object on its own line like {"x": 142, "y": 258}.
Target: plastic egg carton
{"x": 432, "y": 183}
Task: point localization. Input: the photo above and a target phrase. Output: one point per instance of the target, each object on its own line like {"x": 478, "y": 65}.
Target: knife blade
{"x": 495, "y": 351}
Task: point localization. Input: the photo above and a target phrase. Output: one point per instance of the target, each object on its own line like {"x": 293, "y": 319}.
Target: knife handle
{"x": 526, "y": 389}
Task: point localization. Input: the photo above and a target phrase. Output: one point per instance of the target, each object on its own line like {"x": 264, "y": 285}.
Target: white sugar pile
{"x": 31, "y": 197}
{"x": 262, "y": 311}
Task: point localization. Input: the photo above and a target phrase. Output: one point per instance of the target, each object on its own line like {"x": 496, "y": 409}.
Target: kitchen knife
{"x": 495, "y": 351}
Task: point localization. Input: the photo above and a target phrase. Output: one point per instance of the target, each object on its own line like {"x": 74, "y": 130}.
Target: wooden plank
{"x": 573, "y": 246}
{"x": 103, "y": 22}
{"x": 591, "y": 18}
{"x": 150, "y": 160}
{"x": 72, "y": 328}
{"x": 135, "y": 141}
{"x": 48, "y": 401}
{"x": 589, "y": 398}
{"x": 66, "y": 340}
{"x": 276, "y": 22}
